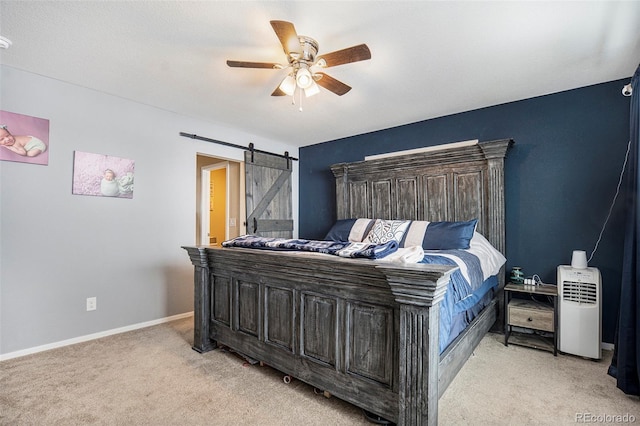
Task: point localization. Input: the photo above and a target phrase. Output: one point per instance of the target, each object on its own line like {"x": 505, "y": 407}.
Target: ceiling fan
{"x": 303, "y": 59}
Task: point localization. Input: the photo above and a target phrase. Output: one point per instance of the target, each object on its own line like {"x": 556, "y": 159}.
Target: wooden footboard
{"x": 367, "y": 333}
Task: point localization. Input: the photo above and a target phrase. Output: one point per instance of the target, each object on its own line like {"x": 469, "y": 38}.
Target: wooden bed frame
{"x": 361, "y": 330}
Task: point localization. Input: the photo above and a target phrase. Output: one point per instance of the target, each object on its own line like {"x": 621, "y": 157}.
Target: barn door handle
{"x": 255, "y": 224}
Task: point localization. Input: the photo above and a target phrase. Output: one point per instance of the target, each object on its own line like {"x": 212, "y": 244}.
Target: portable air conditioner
{"x": 580, "y": 311}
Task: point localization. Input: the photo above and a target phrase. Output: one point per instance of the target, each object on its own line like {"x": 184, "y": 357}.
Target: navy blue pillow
{"x": 340, "y": 230}
{"x": 449, "y": 235}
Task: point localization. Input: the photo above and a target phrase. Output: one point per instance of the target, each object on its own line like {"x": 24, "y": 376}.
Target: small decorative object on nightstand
{"x": 517, "y": 276}
{"x": 533, "y": 315}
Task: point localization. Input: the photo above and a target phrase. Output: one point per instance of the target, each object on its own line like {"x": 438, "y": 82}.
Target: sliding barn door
{"x": 268, "y": 190}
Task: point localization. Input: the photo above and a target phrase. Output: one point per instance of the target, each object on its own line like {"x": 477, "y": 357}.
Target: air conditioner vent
{"x": 586, "y": 293}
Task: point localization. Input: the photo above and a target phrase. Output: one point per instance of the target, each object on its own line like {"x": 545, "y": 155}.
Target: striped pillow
{"x": 353, "y": 230}
{"x": 439, "y": 235}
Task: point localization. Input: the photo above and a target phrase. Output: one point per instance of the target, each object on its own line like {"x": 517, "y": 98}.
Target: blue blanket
{"x": 337, "y": 248}
{"x": 464, "y": 298}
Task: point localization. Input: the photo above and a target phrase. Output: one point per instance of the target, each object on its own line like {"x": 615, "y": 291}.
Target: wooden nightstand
{"x": 535, "y": 315}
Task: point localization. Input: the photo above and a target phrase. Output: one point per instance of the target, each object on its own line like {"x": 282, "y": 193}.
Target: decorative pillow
{"x": 353, "y": 230}
{"x": 449, "y": 235}
{"x": 384, "y": 231}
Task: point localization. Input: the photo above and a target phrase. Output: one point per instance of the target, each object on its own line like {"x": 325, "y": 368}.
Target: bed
{"x": 364, "y": 330}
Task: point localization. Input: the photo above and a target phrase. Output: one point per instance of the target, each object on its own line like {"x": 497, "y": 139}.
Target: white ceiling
{"x": 429, "y": 58}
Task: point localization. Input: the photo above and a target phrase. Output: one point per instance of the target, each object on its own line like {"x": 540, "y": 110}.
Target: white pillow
{"x": 384, "y": 231}
{"x": 491, "y": 260}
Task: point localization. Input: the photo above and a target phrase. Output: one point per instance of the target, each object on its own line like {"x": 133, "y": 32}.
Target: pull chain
{"x": 300, "y": 92}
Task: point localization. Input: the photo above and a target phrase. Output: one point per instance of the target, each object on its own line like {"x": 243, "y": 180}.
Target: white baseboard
{"x": 29, "y": 351}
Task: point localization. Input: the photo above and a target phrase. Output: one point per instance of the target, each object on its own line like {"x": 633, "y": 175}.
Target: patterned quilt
{"x": 337, "y": 248}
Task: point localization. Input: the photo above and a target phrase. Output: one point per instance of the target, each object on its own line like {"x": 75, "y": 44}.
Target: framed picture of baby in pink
{"x": 102, "y": 175}
{"x": 23, "y": 138}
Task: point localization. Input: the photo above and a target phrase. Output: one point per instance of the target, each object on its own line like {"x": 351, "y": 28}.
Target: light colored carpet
{"x": 153, "y": 377}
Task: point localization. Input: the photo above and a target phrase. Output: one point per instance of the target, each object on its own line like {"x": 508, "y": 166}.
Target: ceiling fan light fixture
{"x": 303, "y": 63}
{"x": 288, "y": 85}
{"x": 314, "y": 89}
{"x": 304, "y": 78}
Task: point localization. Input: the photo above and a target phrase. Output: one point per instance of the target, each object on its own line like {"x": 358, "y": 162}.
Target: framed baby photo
{"x": 23, "y": 138}
{"x": 102, "y": 175}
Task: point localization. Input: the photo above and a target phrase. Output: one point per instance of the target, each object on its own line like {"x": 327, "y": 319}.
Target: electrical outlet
{"x": 92, "y": 303}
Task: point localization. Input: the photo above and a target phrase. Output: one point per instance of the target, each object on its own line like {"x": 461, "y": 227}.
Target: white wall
{"x": 57, "y": 249}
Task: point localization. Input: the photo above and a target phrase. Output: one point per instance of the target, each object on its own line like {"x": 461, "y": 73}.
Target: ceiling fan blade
{"x": 246, "y": 64}
{"x": 330, "y": 83}
{"x": 278, "y": 92}
{"x": 357, "y": 53}
{"x": 288, "y": 37}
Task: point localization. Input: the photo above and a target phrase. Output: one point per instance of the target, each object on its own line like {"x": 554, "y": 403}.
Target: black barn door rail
{"x": 246, "y": 148}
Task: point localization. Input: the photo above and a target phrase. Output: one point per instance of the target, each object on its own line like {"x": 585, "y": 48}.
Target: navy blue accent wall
{"x": 560, "y": 177}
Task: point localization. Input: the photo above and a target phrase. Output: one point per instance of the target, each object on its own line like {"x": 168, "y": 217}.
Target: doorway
{"x": 220, "y": 203}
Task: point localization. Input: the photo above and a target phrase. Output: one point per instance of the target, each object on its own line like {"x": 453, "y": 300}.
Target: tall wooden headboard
{"x": 452, "y": 184}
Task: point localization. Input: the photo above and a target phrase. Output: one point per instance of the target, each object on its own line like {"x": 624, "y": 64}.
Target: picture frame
{"x": 23, "y": 138}
{"x": 102, "y": 175}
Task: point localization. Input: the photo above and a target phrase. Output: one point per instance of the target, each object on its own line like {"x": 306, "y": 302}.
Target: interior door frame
{"x": 205, "y": 196}
{"x": 235, "y": 199}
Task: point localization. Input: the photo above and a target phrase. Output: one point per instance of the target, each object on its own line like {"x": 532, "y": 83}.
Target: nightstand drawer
{"x": 529, "y": 314}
